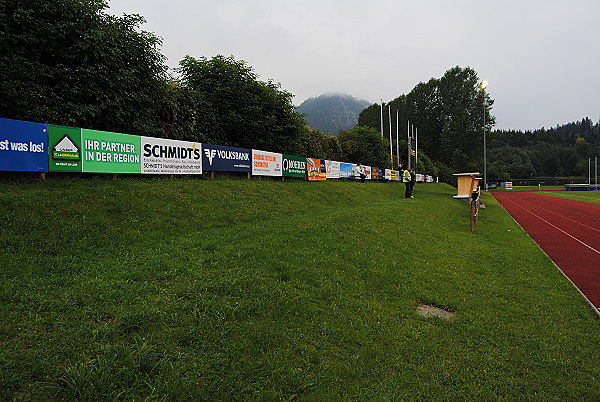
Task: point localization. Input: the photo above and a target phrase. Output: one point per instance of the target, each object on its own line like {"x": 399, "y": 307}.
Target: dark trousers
{"x": 408, "y": 191}
{"x": 362, "y": 178}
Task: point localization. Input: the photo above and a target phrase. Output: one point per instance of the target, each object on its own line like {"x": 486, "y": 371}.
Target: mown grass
{"x": 263, "y": 290}
{"x": 531, "y": 188}
{"x": 592, "y": 197}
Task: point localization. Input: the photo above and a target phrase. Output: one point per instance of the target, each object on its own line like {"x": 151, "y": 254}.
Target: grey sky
{"x": 541, "y": 57}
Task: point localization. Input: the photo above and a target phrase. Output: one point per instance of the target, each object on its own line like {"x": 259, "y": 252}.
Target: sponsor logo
{"x": 222, "y": 154}
{"x": 171, "y": 152}
{"x": 65, "y": 149}
{"x": 210, "y": 154}
{"x": 293, "y": 165}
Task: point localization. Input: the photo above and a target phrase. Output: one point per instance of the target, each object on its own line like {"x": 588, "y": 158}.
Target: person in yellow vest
{"x": 407, "y": 180}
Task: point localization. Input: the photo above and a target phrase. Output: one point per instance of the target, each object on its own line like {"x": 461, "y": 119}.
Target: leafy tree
{"x": 448, "y": 113}
{"x": 238, "y": 109}
{"x": 365, "y": 145}
{"x": 559, "y": 151}
{"x": 68, "y": 62}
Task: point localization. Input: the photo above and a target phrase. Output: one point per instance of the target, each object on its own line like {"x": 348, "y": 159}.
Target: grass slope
{"x": 230, "y": 290}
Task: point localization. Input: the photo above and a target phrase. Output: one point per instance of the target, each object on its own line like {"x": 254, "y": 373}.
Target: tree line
{"x": 69, "y": 62}
{"x": 448, "y": 113}
{"x": 562, "y": 151}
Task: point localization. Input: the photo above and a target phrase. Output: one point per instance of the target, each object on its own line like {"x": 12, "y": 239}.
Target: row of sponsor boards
{"x": 27, "y": 146}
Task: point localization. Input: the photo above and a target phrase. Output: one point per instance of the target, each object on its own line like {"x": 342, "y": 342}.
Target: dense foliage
{"x": 561, "y": 151}
{"x": 448, "y": 113}
{"x": 365, "y": 145}
{"x": 68, "y": 62}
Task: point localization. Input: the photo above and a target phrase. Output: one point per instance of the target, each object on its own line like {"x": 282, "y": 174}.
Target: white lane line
{"x": 562, "y": 216}
{"x": 575, "y": 212}
{"x": 559, "y": 229}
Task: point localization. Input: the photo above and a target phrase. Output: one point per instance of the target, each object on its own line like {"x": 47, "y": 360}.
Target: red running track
{"x": 567, "y": 230}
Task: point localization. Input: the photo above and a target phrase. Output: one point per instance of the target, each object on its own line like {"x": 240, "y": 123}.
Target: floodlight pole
{"x": 391, "y": 149}
{"x": 397, "y": 135}
{"x": 416, "y": 147}
{"x": 382, "y": 118}
{"x": 408, "y": 142}
{"x": 483, "y": 85}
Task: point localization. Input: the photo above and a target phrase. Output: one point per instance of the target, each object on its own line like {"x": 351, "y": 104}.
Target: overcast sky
{"x": 541, "y": 57}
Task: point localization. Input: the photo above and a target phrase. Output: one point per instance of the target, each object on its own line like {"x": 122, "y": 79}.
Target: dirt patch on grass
{"x": 426, "y": 310}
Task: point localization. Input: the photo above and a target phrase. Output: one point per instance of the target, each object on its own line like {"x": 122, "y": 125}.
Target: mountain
{"x": 332, "y": 112}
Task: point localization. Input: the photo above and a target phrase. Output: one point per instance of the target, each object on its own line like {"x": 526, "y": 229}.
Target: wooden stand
{"x": 467, "y": 186}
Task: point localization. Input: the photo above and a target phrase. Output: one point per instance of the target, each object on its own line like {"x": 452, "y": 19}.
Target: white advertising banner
{"x": 163, "y": 156}
{"x": 366, "y": 171}
{"x": 266, "y": 163}
{"x": 388, "y": 174}
{"x": 333, "y": 169}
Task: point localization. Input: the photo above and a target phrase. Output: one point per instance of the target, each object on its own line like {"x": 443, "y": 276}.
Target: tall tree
{"x": 68, "y": 62}
{"x": 241, "y": 110}
{"x": 448, "y": 113}
{"x": 365, "y": 145}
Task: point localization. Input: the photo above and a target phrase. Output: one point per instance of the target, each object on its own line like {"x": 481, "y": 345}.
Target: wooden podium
{"x": 467, "y": 183}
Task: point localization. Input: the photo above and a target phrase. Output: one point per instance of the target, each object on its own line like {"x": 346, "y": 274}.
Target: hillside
{"x": 183, "y": 289}
{"x": 331, "y": 113}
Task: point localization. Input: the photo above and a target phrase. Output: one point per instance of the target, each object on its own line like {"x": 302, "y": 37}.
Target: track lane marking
{"x": 562, "y": 216}
{"x": 556, "y": 227}
{"x": 575, "y": 212}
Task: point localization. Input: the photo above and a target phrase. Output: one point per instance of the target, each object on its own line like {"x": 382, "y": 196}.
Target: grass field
{"x": 593, "y": 197}
{"x": 150, "y": 289}
{"x": 531, "y": 188}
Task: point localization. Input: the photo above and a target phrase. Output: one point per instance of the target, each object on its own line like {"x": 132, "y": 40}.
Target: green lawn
{"x": 157, "y": 289}
{"x": 592, "y": 197}
{"x": 531, "y": 188}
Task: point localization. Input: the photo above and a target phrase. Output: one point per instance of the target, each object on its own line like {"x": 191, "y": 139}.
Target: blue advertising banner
{"x": 345, "y": 169}
{"x": 226, "y": 159}
{"x": 23, "y": 146}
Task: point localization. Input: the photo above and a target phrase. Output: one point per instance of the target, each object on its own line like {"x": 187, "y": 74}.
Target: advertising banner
{"x": 393, "y": 175}
{"x": 162, "y": 156}
{"x": 225, "y": 159}
{"x": 332, "y": 169}
{"x": 106, "y": 152}
{"x": 23, "y": 146}
{"x": 294, "y": 166}
{"x": 314, "y": 170}
{"x": 345, "y": 170}
{"x": 374, "y": 173}
{"x": 266, "y": 163}
{"x": 65, "y": 149}
{"x": 388, "y": 174}
{"x": 367, "y": 170}
{"x": 381, "y": 174}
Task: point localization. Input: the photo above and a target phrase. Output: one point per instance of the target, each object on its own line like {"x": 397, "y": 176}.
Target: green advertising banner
{"x": 294, "y": 166}
{"x": 105, "y": 152}
{"x": 65, "y": 149}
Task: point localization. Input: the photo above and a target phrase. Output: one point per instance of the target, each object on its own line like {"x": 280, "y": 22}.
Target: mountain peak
{"x": 332, "y": 112}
